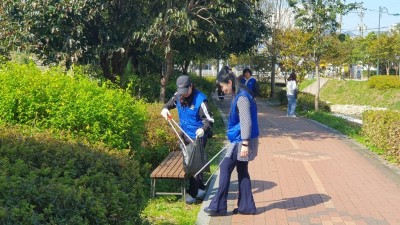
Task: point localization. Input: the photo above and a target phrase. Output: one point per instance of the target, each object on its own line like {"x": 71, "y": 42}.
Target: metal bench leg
{"x": 153, "y": 187}
{"x": 183, "y": 190}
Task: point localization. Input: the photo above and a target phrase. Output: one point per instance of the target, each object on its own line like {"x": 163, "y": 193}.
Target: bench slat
{"x": 176, "y": 169}
{"x": 163, "y": 165}
{"x": 170, "y": 167}
{"x": 171, "y": 164}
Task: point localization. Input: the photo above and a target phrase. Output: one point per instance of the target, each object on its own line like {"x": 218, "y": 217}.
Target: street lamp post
{"x": 379, "y": 30}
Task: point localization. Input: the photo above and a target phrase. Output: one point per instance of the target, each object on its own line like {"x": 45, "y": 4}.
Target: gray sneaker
{"x": 190, "y": 200}
{"x": 201, "y": 194}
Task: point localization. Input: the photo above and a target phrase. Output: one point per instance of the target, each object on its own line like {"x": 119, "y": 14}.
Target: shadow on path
{"x": 295, "y": 203}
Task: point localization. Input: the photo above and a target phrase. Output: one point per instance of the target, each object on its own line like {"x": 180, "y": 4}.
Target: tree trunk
{"x": 273, "y": 62}
{"x": 105, "y": 66}
{"x": 135, "y": 63}
{"x": 387, "y": 69}
{"x": 165, "y": 78}
{"x": 119, "y": 61}
{"x": 185, "y": 67}
{"x": 318, "y": 85}
{"x": 200, "y": 69}
{"x": 217, "y": 67}
{"x": 68, "y": 63}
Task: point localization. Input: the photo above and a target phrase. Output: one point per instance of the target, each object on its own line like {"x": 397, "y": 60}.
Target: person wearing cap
{"x": 250, "y": 82}
{"x": 195, "y": 119}
{"x": 243, "y": 136}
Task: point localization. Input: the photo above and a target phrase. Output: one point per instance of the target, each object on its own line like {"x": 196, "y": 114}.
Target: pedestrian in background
{"x": 250, "y": 82}
{"x": 291, "y": 93}
{"x": 243, "y": 136}
{"x": 220, "y": 93}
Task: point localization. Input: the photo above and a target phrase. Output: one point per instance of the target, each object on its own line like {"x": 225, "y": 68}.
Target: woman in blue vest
{"x": 196, "y": 120}
{"x": 250, "y": 82}
{"x": 243, "y": 136}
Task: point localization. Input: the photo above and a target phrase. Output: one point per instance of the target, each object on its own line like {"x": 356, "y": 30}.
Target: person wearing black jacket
{"x": 195, "y": 119}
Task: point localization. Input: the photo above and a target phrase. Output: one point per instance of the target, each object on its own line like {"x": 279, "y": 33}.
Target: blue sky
{"x": 351, "y": 21}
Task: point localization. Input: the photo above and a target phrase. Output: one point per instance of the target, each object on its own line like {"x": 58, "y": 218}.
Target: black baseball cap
{"x": 183, "y": 83}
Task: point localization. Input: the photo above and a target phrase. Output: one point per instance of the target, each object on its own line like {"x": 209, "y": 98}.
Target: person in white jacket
{"x": 291, "y": 93}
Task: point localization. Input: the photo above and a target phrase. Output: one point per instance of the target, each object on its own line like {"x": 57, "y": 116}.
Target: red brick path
{"x": 306, "y": 173}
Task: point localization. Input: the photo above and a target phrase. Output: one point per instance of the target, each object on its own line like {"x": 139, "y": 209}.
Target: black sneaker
{"x": 213, "y": 212}
{"x": 236, "y": 211}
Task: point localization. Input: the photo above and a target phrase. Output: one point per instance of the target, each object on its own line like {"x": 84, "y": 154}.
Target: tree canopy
{"x": 110, "y": 33}
{"x": 319, "y": 17}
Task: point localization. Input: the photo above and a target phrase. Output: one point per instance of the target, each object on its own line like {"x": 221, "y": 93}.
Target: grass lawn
{"x": 168, "y": 210}
{"x": 357, "y": 93}
{"x": 306, "y": 83}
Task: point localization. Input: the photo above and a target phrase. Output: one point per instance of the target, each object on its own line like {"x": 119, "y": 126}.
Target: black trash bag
{"x": 194, "y": 158}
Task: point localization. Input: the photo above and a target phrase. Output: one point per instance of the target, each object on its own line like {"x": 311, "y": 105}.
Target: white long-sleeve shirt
{"x": 290, "y": 87}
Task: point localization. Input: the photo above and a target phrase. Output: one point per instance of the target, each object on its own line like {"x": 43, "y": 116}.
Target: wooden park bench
{"x": 170, "y": 168}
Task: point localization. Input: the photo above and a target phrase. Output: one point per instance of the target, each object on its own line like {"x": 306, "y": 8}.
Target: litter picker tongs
{"x": 176, "y": 132}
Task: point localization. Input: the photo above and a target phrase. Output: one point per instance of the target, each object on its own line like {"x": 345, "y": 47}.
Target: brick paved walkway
{"x": 306, "y": 173}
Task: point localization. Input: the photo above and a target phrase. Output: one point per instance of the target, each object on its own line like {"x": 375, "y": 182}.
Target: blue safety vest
{"x": 234, "y": 121}
{"x": 189, "y": 118}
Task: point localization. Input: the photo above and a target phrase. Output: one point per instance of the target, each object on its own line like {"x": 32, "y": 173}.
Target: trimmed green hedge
{"x": 159, "y": 138}
{"x": 382, "y": 128}
{"x": 306, "y": 102}
{"x": 264, "y": 89}
{"x": 48, "y": 181}
{"x": 383, "y": 82}
{"x": 53, "y": 100}
{"x": 206, "y": 85}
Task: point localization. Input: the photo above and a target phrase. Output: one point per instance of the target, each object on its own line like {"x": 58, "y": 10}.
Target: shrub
{"x": 53, "y": 100}
{"x": 47, "y": 181}
{"x": 146, "y": 87}
{"x": 206, "y": 85}
{"x": 306, "y": 102}
{"x": 159, "y": 138}
{"x": 383, "y": 82}
{"x": 282, "y": 96}
{"x": 264, "y": 89}
{"x": 382, "y": 128}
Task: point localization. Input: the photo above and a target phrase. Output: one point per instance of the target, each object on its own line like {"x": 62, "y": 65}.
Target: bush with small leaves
{"x": 306, "y": 102}
{"x": 382, "y": 129}
{"x": 47, "y": 181}
{"x": 383, "y": 82}
{"x": 70, "y": 102}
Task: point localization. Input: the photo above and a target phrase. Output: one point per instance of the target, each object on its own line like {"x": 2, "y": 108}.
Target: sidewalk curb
{"x": 202, "y": 217}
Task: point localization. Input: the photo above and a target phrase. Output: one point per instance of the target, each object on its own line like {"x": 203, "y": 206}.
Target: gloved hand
{"x": 165, "y": 113}
{"x": 199, "y": 132}
{"x": 244, "y": 151}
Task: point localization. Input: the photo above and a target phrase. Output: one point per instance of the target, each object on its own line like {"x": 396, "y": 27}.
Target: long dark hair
{"x": 225, "y": 75}
{"x": 292, "y": 76}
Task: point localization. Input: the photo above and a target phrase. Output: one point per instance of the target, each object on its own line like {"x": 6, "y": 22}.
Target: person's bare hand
{"x": 244, "y": 151}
